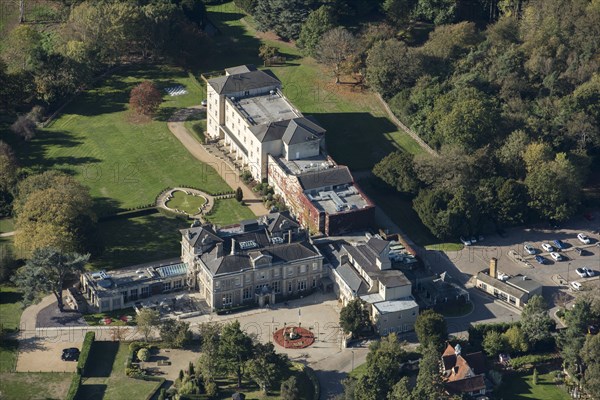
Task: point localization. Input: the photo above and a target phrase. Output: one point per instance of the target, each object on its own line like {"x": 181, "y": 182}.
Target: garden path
{"x": 226, "y": 171}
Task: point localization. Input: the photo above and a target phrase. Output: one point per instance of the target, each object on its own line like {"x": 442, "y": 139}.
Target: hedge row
{"x": 90, "y": 337}
{"x": 243, "y": 307}
{"x": 74, "y": 388}
{"x": 159, "y": 383}
{"x": 531, "y": 359}
{"x": 315, "y": 382}
{"x": 477, "y": 332}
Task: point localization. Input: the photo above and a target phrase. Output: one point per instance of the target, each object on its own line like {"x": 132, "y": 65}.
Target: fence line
{"x": 405, "y": 128}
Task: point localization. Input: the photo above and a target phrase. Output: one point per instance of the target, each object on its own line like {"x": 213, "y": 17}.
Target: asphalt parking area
{"x": 514, "y": 260}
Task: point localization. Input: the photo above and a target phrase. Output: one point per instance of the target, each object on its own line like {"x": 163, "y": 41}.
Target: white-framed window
{"x": 290, "y": 271}
{"x": 315, "y": 266}
{"x": 238, "y": 281}
{"x": 276, "y": 272}
{"x": 276, "y": 287}
{"x": 145, "y": 291}
{"x": 227, "y": 299}
{"x": 303, "y": 269}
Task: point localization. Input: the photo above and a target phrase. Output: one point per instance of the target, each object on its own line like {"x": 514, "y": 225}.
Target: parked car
{"x": 589, "y": 272}
{"x": 547, "y": 247}
{"x": 576, "y": 285}
{"x": 540, "y": 259}
{"x": 581, "y": 272}
{"x": 466, "y": 242}
{"x": 529, "y": 249}
{"x": 473, "y": 239}
{"x": 583, "y": 238}
{"x": 579, "y": 250}
{"x": 559, "y": 244}
{"x": 204, "y": 103}
{"x": 70, "y": 354}
{"x": 556, "y": 256}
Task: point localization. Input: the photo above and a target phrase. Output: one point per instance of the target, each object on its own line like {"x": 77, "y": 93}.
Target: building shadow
{"x": 101, "y": 359}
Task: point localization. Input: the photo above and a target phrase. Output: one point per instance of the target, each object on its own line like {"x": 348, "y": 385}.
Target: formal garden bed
{"x": 190, "y": 204}
{"x": 124, "y": 317}
{"x": 294, "y": 337}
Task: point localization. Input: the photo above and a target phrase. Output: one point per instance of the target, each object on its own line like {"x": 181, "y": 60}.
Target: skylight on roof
{"x": 248, "y": 244}
{"x": 172, "y": 270}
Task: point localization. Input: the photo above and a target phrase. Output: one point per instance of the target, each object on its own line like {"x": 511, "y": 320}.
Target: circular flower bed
{"x": 294, "y": 337}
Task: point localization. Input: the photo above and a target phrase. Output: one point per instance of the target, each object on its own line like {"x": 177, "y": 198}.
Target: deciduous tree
{"x": 354, "y": 317}
{"x": 392, "y": 66}
{"x": 147, "y": 320}
{"x": 431, "y": 329}
{"x": 145, "y": 98}
{"x": 336, "y": 47}
{"x": 175, "y": 334}
{"x": 318, "y": 22}
{"x": 289, "y": 389}
{"x": 536, "y": 324}
{"x": 493, "y": 343}
{"x": 396, "y": 169}
{"x": 235, "y": 348}
{"x": 266, "y": 366}
{"x": 46, "y": 271}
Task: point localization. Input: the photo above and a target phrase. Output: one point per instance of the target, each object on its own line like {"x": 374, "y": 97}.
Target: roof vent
{"x": 232, "y": 98}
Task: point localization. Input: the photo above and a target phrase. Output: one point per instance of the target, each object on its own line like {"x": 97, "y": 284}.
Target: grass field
{"x": 521, "y": 387}
{"x": 139, "y": 240}
{"x": 10, "y": 316}
{"x": 358, "y": 131}
{"x": 125, "y": 164}
{"x": 225, "y": 211}
{"x": 6, "y": 225}
{"x": 186, "y": 203}
{"x": 105, "y": 379}
{"x": 31, "y": 385}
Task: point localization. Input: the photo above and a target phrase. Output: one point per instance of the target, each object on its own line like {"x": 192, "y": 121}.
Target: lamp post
{"x": 568, "y": 271}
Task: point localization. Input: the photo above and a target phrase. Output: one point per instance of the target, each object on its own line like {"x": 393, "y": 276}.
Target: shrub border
{"x": 90, "y": 337}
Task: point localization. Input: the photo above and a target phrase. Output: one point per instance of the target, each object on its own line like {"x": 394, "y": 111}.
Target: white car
{"x": 576, "y": 285}
{"x": 556, "y": 256}
{"x": 529, "y": 249}
{"x": 581, "y": 272}
{"x": 589, "y": 272}
{"x": 465, "y": 241}
{"x": 583, "y": 238}
{"x": 547, "y": 247}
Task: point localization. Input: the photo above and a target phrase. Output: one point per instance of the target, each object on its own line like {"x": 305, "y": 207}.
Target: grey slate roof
{"x": 352, "y": 279}
{"x": 198, "y": 234}
{"x": 271, "y": 131}
{"x": 377, "y": 244}
{"x": 245, "y": 81}
{"x": 282, "y": 223}
{"x": 498, "y": 284}
{"x": 300, "y": 130}
{"x": 240, "y": 69}
{"x": 339, "y": 175}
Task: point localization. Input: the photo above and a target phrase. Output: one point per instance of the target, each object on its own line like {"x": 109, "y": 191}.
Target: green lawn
{"x": 10, "y": 307}
{"x": 125, "y": 164}
{"x": 105, "y": 379}
{"x": 197, "y": 128}
{"x": 227, "y": 211}
{"x": 186, "y": 203}
{"x": 139, "y": 240}
{"x": 34, "y": 385}
{"x": 358, "y": 131}
{"x": 520, "y": 387}
{"x": 6, "y": 225}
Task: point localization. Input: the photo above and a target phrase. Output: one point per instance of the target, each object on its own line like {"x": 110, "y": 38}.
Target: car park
{"x": 559, "y": 244}
{"x": 540, "y": 259}
{"x": 575, "y": 285}
{"x": 589, "y": 272}
{"x": 547, "y": 247}
{"x": 529, "y": 249}
{"x": 583, "y": 238}
{"x": 556, "y": 256}
{"x": 581, "y": 272}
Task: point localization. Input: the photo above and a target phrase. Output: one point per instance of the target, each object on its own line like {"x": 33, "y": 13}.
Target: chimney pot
{"x": 494, "y": 267}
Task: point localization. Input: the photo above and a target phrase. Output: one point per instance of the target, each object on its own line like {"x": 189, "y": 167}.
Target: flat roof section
{"x": 390, "y": 306}
{"x": 262, "y": 109}
{"x": 336, "y": 201}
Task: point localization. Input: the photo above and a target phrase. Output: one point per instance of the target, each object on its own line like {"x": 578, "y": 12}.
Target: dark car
{"x": 70, "y": 354}
{"x": 559, "y": 244}
{"x": 579, "y": 250}
{"x": 540, "y": 259}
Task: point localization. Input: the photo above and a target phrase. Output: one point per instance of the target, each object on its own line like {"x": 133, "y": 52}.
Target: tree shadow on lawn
{"x": 35, "y": 152}
{"x": 10, "y": 297}
{"x": 358, "y": 140}
{"x": 101, "y": 359}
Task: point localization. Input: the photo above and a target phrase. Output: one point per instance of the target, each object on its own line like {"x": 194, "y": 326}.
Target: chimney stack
{"x": 219, "y": 250}
{"x": 494, "y": 267}
{"x": 232, "y": 246}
